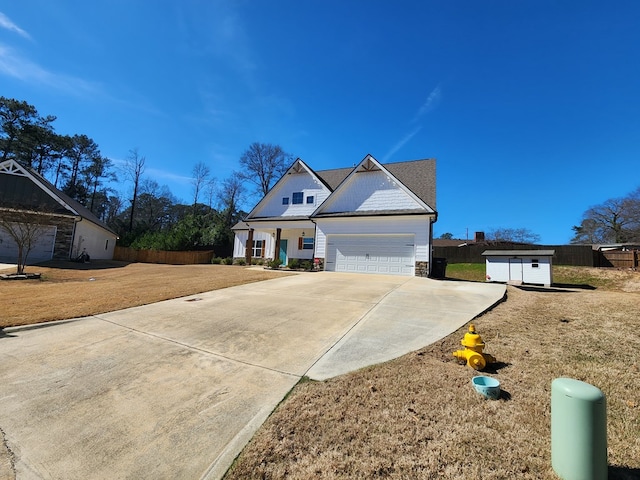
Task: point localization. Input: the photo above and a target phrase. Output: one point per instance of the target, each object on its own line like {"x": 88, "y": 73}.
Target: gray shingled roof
{"x": 333, "y": 178}
{"x": 419, "y": 176}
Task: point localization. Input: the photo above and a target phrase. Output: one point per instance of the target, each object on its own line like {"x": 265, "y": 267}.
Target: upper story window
{"x": 310, "y": 199}
{"x": 285, "y": 200}
{"x": 297, "y": 198}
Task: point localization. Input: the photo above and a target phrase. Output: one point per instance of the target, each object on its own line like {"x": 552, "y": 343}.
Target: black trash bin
{"x": 439, "y": 268}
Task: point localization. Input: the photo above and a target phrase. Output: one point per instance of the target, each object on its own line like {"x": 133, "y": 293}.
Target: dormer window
{"x": 285, "y": 200}
{"x": 310, "y": 199}
{"x": 297, "y": 198}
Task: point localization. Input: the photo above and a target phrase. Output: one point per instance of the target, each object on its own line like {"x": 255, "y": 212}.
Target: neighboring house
{"x": 67, "y": 228}
{"x": 371, "y": 218}
{"x": 457, "y": 242}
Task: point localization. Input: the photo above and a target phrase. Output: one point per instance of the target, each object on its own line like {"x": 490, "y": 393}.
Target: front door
{"x": 515, "y": 270}
{"x": 283, "y": 251}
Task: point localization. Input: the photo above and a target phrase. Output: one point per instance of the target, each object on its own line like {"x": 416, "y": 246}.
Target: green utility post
{"x": 578, "y": 430}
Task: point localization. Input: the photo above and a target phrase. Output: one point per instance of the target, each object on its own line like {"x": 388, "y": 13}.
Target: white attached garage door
{"x": 40, "y": 252}
{"x": 390, "y": 254}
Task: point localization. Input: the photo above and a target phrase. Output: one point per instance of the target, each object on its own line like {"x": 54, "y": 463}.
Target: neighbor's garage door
{"x": 391, "y": 254}
{"x": 40, "y": 252}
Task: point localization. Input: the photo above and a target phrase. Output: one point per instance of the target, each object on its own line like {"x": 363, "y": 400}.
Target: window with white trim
{"x": 258, "y": 249}
{"x": 297, "y": 198}
{"x": 305, "y": 243}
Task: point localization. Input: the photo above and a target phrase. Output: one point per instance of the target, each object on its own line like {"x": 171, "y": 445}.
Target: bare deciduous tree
{"x": 134, "y": 168}
{"x": 230, "y": 196}
{"x": 199, "y": 181}
{"x": 18, "y": 225}
{"x": 521, "y": 235}
{"x": 263, "y": 164}
{"x": 616, "y": 220}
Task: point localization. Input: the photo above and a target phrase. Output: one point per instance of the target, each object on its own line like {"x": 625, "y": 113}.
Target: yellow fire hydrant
{"x": 472, "y": 353}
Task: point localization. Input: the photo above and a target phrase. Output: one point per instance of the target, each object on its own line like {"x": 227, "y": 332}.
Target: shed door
{"x": 41, "y": 251}
{"x": 390, "y": 254}
{"x": 515, "y": 270}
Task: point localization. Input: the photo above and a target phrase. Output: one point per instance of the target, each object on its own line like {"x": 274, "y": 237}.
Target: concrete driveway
{"x": 176, "y": 389}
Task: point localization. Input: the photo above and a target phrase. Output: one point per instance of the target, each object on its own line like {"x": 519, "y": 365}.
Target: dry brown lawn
{"x": 70, "y": 290}
{"x": 419, "y": 418}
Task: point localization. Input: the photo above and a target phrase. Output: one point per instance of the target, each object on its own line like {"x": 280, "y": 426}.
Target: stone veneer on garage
{"x": 64, "y": 230}
{"x": 422, "y": 269}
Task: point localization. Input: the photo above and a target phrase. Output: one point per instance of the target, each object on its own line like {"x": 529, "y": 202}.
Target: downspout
{"x": 433, "y": 220}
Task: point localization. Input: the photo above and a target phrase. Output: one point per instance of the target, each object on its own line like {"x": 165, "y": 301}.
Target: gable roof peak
{"x": 369, "y": 164}
{"x": 13, "y": 168}
{"x": 298, "y": 166}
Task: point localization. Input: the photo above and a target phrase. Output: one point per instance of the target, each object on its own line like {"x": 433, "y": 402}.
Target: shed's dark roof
{"x": 519, "y": 253}
{"x": 419, "y": 176}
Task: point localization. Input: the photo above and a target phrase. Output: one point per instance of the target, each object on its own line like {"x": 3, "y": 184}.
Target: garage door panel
{"x": 390, "y": 254}
{"x": 41, "y": 251}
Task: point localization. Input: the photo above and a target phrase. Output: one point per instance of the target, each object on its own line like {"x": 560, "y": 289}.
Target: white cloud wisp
{"x": 7, "y": 24}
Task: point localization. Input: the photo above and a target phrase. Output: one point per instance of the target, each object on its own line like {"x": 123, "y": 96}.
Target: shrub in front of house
{"x": 306, "y": 265}
{"x": 240, "y": 261}
{"x": 227, "y": 261}
{"x": 293, "y": 264}
{"x": 216, "y": 260}
{"x": 274, "y": 264}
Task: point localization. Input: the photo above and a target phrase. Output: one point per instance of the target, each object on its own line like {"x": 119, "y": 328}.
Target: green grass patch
{"x": 474, "y": 272}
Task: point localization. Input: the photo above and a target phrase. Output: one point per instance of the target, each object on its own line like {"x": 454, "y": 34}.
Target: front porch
{"x": 286, "y": 241}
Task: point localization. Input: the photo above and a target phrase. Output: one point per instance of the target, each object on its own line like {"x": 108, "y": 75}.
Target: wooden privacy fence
{"x": 618, "y": 259}
{"x": 126, "y": 254}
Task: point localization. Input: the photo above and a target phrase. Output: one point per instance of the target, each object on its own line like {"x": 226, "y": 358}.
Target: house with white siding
{"x": 372, "y": 218}
{"x": 66, "y": 228}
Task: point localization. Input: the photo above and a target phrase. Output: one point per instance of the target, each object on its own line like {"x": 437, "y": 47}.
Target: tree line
{"x": 147, "y": 215}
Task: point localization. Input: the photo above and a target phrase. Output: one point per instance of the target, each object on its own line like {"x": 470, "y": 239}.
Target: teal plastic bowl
{"x": 487, "y": 386}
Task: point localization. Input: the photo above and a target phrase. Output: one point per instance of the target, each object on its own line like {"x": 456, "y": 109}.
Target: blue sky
{"x": 531, "y": 108}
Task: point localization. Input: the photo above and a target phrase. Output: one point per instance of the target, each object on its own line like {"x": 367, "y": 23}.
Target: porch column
{"x": 249, "y": 247}
{"x": 276, "y": 254}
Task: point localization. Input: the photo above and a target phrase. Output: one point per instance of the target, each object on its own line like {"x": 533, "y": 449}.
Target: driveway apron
{"x": 177, "y": 388}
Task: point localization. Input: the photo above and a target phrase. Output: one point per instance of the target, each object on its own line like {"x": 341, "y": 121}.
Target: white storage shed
{"x": 519, "y": 266}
